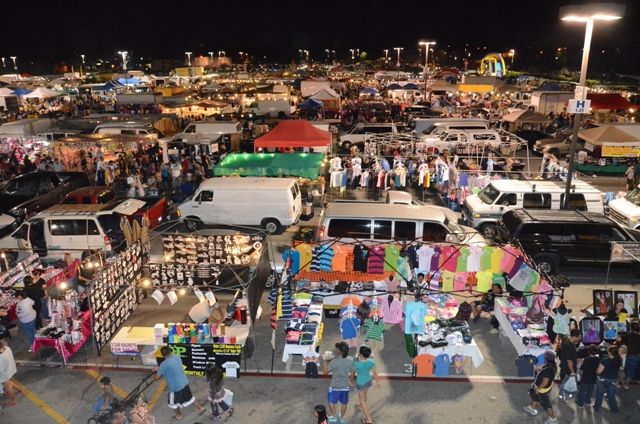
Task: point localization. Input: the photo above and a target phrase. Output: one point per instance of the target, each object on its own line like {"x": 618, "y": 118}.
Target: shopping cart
{"x": 125, "y": 405}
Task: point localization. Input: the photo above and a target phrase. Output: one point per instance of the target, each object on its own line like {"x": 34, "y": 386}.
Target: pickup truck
{"x": 36, "y": 191}
{"x": 157, "y": 209}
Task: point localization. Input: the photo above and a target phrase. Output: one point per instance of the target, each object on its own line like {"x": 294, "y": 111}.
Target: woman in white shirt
{"x": 26, "y": 317}
{"x": 7, "y": 371}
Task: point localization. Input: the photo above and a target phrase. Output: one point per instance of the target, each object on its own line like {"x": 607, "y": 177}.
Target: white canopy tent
{"x": 5, "y": 92}
{"x": 42, "y": 93}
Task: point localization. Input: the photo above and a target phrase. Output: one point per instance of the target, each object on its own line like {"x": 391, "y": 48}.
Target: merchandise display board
{"x": 236, "y": 249}
{"x": 113, "y": 294}
{"x": 197, "y": 357}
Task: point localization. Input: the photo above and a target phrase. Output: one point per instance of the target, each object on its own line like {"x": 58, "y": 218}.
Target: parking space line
{"x": 55, "y": 415}
{"x": 156, "y": 394}
{"x": 118, "y": 391}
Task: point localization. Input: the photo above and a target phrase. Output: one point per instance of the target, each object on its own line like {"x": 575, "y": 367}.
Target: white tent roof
{"x": 41, "y": 93}
{"x": 325, "y": 94}
{"x": 4, "y": 92}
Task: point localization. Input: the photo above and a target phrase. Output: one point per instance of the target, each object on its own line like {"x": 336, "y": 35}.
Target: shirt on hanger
{"x": 424, "y": 365}
{"x": 360, "y": 258}
{"x": 305, "y": 251}
{"x": 447, "y": 281}
{"x": 404, "y": 270}
{"x": 449, "y": 258}
{"x": 414, "y": 317}
{"x": 425, "y": 254}
{"x": 473, "y": 261}
{"x": 374, "y": 329}
{"x": 391, "y": 255}
{"x": 294, "y": 256}
{"x": 376, "y": 259}
{"x": 349, "y": 328}
{"x": 463, "y": 259}
{"x": 460, "y": 280}
{"x": 485, "y": 259}
{"x": 341, "y": 258}
{"x": 484, "y": 281}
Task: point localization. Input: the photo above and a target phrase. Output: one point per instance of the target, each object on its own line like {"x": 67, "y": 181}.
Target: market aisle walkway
{"x": 290, "y": 400}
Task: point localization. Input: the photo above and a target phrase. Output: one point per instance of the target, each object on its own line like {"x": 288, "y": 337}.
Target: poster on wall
{"x": 196, "y": 357}
{"x": 630, "y": 301}
{"x": 235, "y": 249}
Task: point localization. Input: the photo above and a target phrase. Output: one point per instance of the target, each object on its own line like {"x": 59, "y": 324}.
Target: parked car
{"x": 72, "y": 229}
{"x": 157, "y": 209}
{"x": 36, "y": 191}
{"x": 553, "y": 238}
{"x": 531, "y": 136}
{"x": 363, "y": 132}
{"x": 540, "y": 145}
{"x": 626, "y": 210}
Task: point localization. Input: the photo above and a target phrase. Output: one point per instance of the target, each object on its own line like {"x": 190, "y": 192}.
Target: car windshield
{"x": 633, "y": 196}
{"x": 489, "y": 194}
{"x": 21, "y": 186}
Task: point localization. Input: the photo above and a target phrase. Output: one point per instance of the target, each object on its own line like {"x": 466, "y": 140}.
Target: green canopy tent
{"x": 306, "y": 165}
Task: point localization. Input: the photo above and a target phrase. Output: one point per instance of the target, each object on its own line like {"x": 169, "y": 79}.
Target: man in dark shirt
{"x": 588, "y": 376}
{"x": 632, "y": 341}
{"x": 568, "y": 361}
{"x": 35, "y": 291}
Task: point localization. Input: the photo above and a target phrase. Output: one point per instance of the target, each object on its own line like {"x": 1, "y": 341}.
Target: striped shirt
{"x": 375, "y": 329}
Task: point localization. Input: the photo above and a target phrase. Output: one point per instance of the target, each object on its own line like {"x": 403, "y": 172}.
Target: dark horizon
{"x": 62, "y": 30}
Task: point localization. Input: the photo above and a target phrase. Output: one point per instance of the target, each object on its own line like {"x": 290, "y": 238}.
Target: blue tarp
{"x": 128, "y": 81}
{"x": 21, "y": 91}
{"x": 310, "y": 104}
{"x": 368, "y": 90}
{"x": 410, "y": 86}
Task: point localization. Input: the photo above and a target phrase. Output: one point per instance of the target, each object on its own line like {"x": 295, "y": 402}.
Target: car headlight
{"x": 477, "y": 215}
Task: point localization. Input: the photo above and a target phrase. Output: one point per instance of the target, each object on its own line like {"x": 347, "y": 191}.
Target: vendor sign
{"x": 620, "y": 151}
{"x": 625, "y": 252}
{"x": 196, "y": 357}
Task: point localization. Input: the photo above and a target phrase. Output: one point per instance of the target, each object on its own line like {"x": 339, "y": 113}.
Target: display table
{"x": 297, "y": 349}
{"x": 470, "y": 350}
{"x": 332, "y": 300}
{"x": 511, "y": 334}
{"x": 601, "y": 170}
{"x": 66, "y": 349}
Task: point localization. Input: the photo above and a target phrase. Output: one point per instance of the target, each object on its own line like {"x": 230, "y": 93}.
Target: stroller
{"x": 125, "y": 405}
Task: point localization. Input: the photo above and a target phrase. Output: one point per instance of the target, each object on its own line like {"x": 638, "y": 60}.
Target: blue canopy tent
{"x": 21, "y": 92}
{"x": 310, "y": 104}
{"x": 368, "y": 91}
{"x": 410, "y": 86}
{"x": 128, "y": 81}
{"x": 112, "y": 85}
{"x": 394, "y": 86}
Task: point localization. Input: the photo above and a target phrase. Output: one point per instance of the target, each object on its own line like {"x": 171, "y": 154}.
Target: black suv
{"x": 33, "y": 192}
{"x": 552, "y": 238}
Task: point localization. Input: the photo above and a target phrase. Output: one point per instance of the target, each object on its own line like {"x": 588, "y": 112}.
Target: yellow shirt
{"x": 496, "y": 260}
{"x": 305, "y": 256}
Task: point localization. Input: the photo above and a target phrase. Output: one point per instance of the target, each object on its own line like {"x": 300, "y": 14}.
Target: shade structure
{"x": 4, "y": 92}
{"x": 526, "y": 117}
{"x": 310, "y": 104}
{"x": 607, "y": 134}
{"x": 368, "y": 91}
{"x": 394, "y": 86}
{"x": 305, "y": 165}
{"x": 442, "y": 85}
{"x": 294, "y": 133}
{"x": 609, "y": 101}
{"x": 42, "y": 93}
{"x": 410, "y": 86}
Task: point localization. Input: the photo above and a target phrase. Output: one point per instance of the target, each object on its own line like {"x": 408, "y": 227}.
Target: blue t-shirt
{"x": 363, "y": 371}
{"x": 414, "y": 317}
{"x": 294, "y": 255}
{"x": 171, "y": 369}
{"x": 441, "y": 365}
{"x": 349, "y": 328}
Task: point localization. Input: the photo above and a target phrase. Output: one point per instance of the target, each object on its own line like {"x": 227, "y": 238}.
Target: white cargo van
{"x": 208, "y": 132}
{"x": 384, "y": 222}
{"x": 484, "y": 210}
{"x": 362, "y": 132}
{"x": 72, "y": 229}
{"x": 626, "y": 210}
{"x": 425, "y": 126}
{"x": 127, "y": 128}
{"x": 455, "y": 140}
{"x": 271, "y": 203}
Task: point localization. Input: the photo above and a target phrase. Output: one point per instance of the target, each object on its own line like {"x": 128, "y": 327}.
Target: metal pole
{"x": 426, "y": 69}
{"x": 577, "y": 116}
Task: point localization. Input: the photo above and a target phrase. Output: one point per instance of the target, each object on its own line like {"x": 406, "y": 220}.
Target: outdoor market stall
{"x": 304, "y": 165}
{"x": 295, "y": 135}
{"x": 608, "y": 149}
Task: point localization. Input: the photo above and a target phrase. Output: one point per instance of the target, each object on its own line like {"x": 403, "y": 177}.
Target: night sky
{"x": 61, "y": 30}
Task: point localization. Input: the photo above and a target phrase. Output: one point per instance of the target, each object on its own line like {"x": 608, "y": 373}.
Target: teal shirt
{"x": 171, "y": 369}
{"x": 363, "y": 371}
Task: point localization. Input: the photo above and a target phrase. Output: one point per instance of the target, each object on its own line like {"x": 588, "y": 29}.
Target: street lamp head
{"x": 592, "y": 12}
{"x": 427, "y": 43}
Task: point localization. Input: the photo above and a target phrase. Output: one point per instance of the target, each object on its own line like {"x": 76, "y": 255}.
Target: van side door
{"x": 68, "y": 234}
{"x": 95, "y": 238}
{"x": 204, "y": 207}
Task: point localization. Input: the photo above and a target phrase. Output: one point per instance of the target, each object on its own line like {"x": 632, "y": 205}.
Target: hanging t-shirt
{"x": 435, "y": 259}
{"x": 447, "y": 281}
{"x": 424, "y": 365}
{"x": 473, "y": 261}
{"x": 463, "y": 259}
{"x": 294, "y": 256}
{"x": 496, "y": 260}
{"x": 441, "y": 365}
{"x": 414, "y": 317}
{"x": 360, "y": 258}
{"x": 391, "y": 255}
{"x": 305, "y": 251}
{"x": 510, "y": 254}
{"x": 449, "y": 258}
{"x": 322, "y": 256}
{"x": 499, "y": 280}
{"x": 341, "y": 258}
{"x": 425, "y": 253}
{"x": 349, "y": 328}
{"x": 376, "y": 259}
{"x": 485, "y": 279}
{"x": 231, "y": 369}
{"x": 404, "y": 270}
{"x": 460, "y": 280}
{"x": 485, "y": 259}
{"x": 374, "y": 329}
{"x": 412, "y": 255}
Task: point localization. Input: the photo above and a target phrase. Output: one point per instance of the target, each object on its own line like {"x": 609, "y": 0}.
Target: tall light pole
{"x": 586, "y": 14}
{"x": 398, "y": 50}
{"x": 353, "y": 52}
{"x": 512, "y": 53}
{"x": 15, "y": 66}
{"x": 3, "y": 64}
{"x": 386, "y": 56}
{"x": 124, "y": 59}
{"x": 188, "y": 57}
{"x": 426, "y": 45}
{"x": 82, "y": 64}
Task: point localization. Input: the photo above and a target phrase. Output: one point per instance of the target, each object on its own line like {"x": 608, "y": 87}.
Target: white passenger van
{"x": 72, "y": 229}
{"x": 426, "y": 126}
{"x": 271, "y": 203}
{"x": 127, "y": 128}
{"x": 385, "y": 222}
{"x": 207, "y": 132}
{"x": 458, "y": 140}
{"x": 484, "y": 210}
{"x": 626, "y": 210}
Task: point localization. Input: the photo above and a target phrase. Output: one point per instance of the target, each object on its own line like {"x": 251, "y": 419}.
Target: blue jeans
{"x": 216, "y": 407}
{"x": 99, "y": 404}
{"x": 29, "y": 330}
{"x": 608, "y": 386}
{"x": 585, "y": 391}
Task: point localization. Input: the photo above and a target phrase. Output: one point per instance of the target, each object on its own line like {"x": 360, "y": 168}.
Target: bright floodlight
{"x": 592, "y": 12}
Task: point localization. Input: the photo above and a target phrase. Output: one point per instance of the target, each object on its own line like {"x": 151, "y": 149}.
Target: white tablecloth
{"x": 296, "y": 349}
{"x": 510, "y": 333}
{"x": 470, "y": 350}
